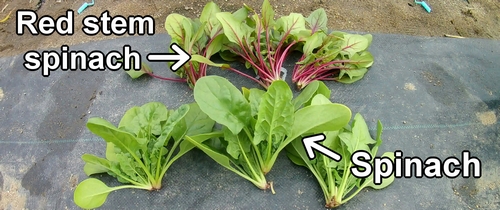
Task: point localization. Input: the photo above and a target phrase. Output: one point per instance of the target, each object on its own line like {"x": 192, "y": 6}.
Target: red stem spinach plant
{"x": 201, "y": 38}
{"x": 337, "y": 56}
{"x": 261, "y": 41}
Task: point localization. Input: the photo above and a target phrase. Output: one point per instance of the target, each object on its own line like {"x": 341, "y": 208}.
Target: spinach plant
{"x": 337, "y": 56}
{"x": 257, "y": 124}
{"x": 140, "y": 150}
{"x": 260, "y": 41}
{"x": 201, "y": 38}
{"x": 335, "y": 178}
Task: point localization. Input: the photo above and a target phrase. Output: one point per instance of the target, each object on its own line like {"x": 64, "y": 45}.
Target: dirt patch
{"x": 11, "y": 194}
{"x": 487, "y": 118}
{"x": 472, "y": 18}
{"x": 410, "y": 86}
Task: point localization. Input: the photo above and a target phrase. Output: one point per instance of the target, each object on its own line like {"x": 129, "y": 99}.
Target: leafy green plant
{"x": 201, "y": 38}
{"x": 140, "y": 150}
{"x": 335, "y": 178}
{"x": 337, "y": 56}
{"x": 260, "y": 41}
{"x": 257, "y": 124}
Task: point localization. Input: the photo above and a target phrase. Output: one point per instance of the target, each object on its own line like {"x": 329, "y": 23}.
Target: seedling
{"x": 336, "y": 179}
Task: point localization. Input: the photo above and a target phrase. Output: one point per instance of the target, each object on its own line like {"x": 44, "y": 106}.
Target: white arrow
{"x": 312, "y": 142}
{"x": 180, "y": 57}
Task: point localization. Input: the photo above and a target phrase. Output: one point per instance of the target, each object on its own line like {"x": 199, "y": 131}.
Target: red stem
{"x": 248, "y": 76}
{"x": 165, "y": 78}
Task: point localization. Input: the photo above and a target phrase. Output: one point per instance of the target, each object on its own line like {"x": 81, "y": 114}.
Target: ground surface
{"x": 467, "y": 18}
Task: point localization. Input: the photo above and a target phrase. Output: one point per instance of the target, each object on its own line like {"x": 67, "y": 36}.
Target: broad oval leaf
{"x": 175, "y": 28}
{"x": 222, "y": 102}
{"x": 320, "y": 118}
{"x": 95, "y": 165}
{"x": 275, "y": 116}
{"x": 91, "y": 193}
{"x": 234, "y": 29}
{"x": 312, "y": 89}
{"x": 267, "y": 14}
{"x": 292, "y": 24}
{"x": 354, "y": 43}
{"x": 362, "y": 60}
{"x": 317, "y": 20}
{"x": 121, "y": 139}
{"x": 197, "y": 121}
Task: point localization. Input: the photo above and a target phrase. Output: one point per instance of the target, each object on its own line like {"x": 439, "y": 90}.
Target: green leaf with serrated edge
{"x": 128, "y": 167}
{"x": 267, "y": 14}
{"x": 201, "y": 59}
{"x": 175, "y": 126}
{"x": 198, "y": 122}
{"x": 222, "y": 102}
{"x": 175, "y": 28}
{"x": 318, "y": 20}
{"x": 234, "y": 29}
{"x": 353, "y": 43}
{"x": 275, "y": 116}
{"x": 146, "y": 118}
{"x": 91, "y": 193}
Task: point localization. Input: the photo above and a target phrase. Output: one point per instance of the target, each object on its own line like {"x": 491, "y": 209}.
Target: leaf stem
{"x": 164, "y": 78}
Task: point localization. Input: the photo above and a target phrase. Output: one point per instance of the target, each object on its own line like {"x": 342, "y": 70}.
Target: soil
{"x": 466, "y": 18}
